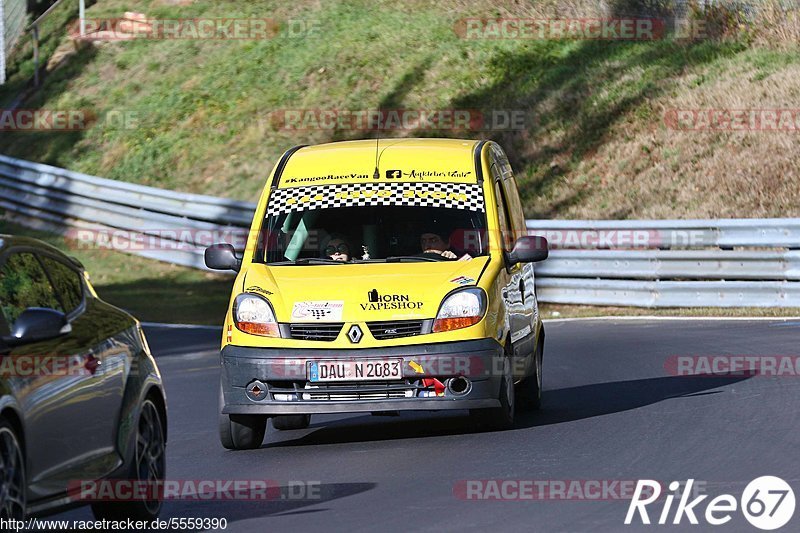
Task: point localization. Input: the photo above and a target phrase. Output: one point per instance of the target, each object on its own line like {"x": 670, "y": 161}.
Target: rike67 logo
{"x": 767, "y": 502}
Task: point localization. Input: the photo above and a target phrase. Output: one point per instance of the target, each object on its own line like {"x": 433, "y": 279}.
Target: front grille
{"x": 315, "y": 332}
{"x": 393, "y": 329}
{"x": 358, "y": 391}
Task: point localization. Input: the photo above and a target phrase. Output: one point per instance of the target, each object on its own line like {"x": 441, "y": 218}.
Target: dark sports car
{"x": 81, "y": 398}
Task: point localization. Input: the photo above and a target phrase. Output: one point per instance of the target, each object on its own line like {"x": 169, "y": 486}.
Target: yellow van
{"x": 382, "y": 276}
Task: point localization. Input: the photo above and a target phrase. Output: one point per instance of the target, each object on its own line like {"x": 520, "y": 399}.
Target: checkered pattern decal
{"x": 467, "y": 196}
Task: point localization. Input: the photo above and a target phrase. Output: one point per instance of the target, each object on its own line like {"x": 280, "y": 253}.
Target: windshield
{"x": 398, "y": 222}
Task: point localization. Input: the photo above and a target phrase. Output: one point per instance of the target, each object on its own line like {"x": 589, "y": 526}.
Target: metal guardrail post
{"x": 2, "y": 43}
{"x": 82, "y": 15}
{"x": 36, "y": 55}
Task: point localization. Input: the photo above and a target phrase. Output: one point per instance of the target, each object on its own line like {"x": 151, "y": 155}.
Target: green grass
{"x": 20, "y": 66}
{"x": 594, "y": 143}
{"x": 202, "y": 109}
{"x": 150, "y": 290}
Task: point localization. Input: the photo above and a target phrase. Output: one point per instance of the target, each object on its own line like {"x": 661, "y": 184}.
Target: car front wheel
{"x": 502, "y": 417}
{"x": 529, "y": 390}
{"x": 148, "y": 470}
{"x": 240, "y": 432}
{"x": 12, "y": 475}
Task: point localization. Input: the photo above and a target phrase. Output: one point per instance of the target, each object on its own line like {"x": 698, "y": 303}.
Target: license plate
{"x": 367, "y": 370}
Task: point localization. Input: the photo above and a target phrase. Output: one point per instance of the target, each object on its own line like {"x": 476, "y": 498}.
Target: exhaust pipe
{"x": 459, "y": 386}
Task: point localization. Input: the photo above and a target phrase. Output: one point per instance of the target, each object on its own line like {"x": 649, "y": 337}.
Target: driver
{"x": 337, "y": 249}
{"x": 432, "y": 242}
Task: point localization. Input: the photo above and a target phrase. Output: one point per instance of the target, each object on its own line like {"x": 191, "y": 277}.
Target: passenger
{"x": 432, "y": 242}
{"x": 337, "y": 249}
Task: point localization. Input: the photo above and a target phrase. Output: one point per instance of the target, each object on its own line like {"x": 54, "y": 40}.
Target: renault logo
{"x": 354, "y": 334}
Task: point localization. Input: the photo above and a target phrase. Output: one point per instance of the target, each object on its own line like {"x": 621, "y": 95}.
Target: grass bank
{"x": 205, "y": 115}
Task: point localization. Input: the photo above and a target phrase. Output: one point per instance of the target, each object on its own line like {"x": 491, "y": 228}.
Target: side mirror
{"x": 37, "y": 324}
{"x": 529, "y": 249}
{"x": 222, "y": 256}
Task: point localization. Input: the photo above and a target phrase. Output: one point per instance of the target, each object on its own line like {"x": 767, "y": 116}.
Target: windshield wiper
{"x": 318, "y": 261}
{"x": 401, "y": 258}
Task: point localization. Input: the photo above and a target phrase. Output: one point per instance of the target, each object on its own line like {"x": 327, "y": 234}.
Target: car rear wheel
{"x": 12, "y": 475}
{"x": 502, "y": 417}
{"x": 240, "y": 432}
{"x": 283, "y": 422}
{"x": 148, "y": 470}
{"x": 529, "y": 390}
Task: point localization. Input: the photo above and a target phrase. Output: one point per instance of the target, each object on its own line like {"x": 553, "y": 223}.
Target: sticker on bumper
{"x": 320, "y": 311}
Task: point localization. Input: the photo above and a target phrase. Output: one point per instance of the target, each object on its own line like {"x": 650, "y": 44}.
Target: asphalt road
{"x": 613, "y": 410}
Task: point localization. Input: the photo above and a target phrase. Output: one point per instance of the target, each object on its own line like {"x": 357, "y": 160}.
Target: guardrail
{"x": 644, "y": 263}
{"x": 671, "y": 263}
{"x": 667, "y": 234}
{"x": 178, "y": 225}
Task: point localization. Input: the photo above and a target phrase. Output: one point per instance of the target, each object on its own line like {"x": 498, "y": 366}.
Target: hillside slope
{"x": 595, "y": 142}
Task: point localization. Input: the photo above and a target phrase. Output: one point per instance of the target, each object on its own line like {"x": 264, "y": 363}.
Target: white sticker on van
{"x": 318, "y": 311}
{"x": 465, "y": 196}
{"x": 517, "y": 335}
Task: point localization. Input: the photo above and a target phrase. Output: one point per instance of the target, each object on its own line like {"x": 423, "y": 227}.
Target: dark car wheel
{"x": 240, "y": 432}
{"x": 12, "y": 475}
{"x": 148, "y": 468}
{"x": 283, "y": 422}
{"x": 502, "y": 417}
{"x": 529, "y": 390}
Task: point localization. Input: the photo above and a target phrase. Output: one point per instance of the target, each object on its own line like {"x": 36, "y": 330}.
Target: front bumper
{"x": 283, "y": 372}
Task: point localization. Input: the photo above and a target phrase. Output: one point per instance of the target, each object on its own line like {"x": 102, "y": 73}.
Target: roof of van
{"x": 399, "y": 160}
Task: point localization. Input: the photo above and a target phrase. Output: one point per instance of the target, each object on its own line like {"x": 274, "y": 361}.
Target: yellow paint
{"x": 423, "y": 283}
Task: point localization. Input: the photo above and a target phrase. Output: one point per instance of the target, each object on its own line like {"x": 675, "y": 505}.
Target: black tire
{"x": 502, "y": 417}
{"x": 240, "y": 432}
{"x": 148, "y": 468}
{"x": 13, "y": 483}
{"x": 284, "y": 422}
{"x": 529, "y": 390}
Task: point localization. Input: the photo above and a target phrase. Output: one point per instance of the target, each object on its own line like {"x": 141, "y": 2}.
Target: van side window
{"x": 516, "y": 214}
{"x": 514, "y": 204}
{"x": 502, "y": 215}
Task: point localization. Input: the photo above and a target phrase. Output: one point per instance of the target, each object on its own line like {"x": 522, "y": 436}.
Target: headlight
{"x": 460, "y": 309}
{"x": 253, "y": 314}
